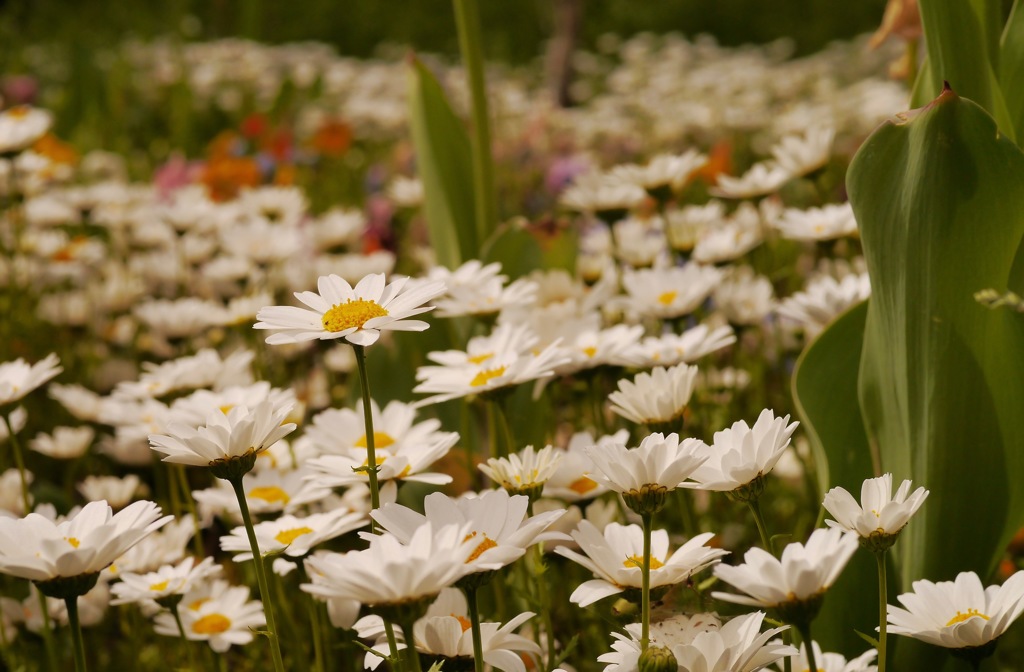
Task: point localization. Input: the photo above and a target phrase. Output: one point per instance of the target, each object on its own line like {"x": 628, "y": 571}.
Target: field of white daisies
{"x": 405, "y": 366}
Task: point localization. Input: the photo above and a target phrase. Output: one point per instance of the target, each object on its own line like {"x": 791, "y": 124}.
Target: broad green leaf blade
{"x": 958, "y": 50}
{"x": 1011, "y": 67}
{"x": 939, "y": 197}
{"x": 825, "y": 394}
{"x": 444, "y": 164}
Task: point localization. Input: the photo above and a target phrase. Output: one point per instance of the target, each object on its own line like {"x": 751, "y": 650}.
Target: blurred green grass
{"x": 515, "y": 31}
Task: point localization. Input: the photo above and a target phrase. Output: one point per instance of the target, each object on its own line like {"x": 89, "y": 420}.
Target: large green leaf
{"x": 939, "y": 197}
{"x": 825, "y": 394}
{"x": 1011, "y": 67}
{"x": 444, "y": 164}
{"x": 959, "y": 39}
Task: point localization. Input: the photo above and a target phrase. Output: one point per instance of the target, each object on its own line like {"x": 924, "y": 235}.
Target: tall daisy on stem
{"x": 644, "y": 476}
{"x": 228, "y": 444}
{"x": 878, "y": 520}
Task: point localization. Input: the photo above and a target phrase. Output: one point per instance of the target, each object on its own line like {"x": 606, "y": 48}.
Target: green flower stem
{"x": 474, "y": 619}
{"x": 76, "y": 633}
{"x": 389, "y": 630}
{"x": 883, "y": 600}
{"x": 261, "y": 575}
{"x": 314, "y": 625}
{"x": 805, "y": 635}
{"x": 412, "y": 656}
{"x": 184, "y": 640}
{"x": 371, "y": 449}
{"x": 467, "y": 19}
{"x": 508, "y": 443}
{"x": 645, "y": 572}
{"x": 190, "y": 504}
{"x": 755, "y": 508}
{"x": 19, "y": 460}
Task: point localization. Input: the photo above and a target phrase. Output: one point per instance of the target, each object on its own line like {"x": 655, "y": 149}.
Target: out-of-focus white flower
{"x": 805, "y": 153}
{"x": 823, "y": 300}
{"x": 217, "y": 613}
{"x": 21, "y": 126}
{"x": 64, "y": 443}
{"x": 655, "y": 398}
{"x": 571, "y": 480}
{"x": 745, "y": 298}
{"x": 671, "y": 349}
{"x": 832, "y": 662}
{"x": 18, "y": 378}
{"x": 761, "y": 179}
{"x": 118, "y": 492}
{"x": 669, "y": 292}
{"x": 825, "y": 223}
{"x": 146, "y": 589}
{"x": 523, "y": 472}
{"x": 292, "y": 536}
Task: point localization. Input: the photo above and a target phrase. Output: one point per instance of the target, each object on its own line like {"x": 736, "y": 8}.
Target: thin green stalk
{"x": 389, "y": 630}
{"x": 19, "y": 460}
{"x": 805, "y": 634}
{"x": 184, "y": 640}
{"x": 883, "y": 600}
{"x": 190, "y": 504}
{"x": 508, "y": 445}
{"x": 474, "y": 619}
{"x": 540, "y": 575}
{"x": 412, "y": 656}
{"x": 755, "y": 508}
{"x": 645, "y": 628}
{"x": 76, "y": 633}
{"x": 314, "y": 625}
{"x": 371, "y": 449}
{"x": 261, "y": 575}
{"x": 467, "y": 20}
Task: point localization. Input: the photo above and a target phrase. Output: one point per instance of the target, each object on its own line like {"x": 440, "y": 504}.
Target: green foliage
{"x": 938, "y": 196}
{"x": 1011, "y": 67}
{"x": 445, "y": 166}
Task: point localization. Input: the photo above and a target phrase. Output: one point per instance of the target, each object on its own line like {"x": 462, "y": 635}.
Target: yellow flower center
{"x": 463, "y": 621}
{"x": 157, "y": 587}
{"x": 485, "y": 376}
{"x": 483, "y": 546}
{"x": 666, "y": 298}
{"x": 352, "y": 314}
{"x": 194, "y": 606}
{"x": 271, "y": 494}
{"x": 380, "y": 440}
{"x": 638, "y": 561}
{"x": 288, "y": 536}
{"x": 480, "y": 359}
{"x": 962, "y": 616}
{"x": 226, "y": 408}
{"x": 582, "y": 485}
{"x": 74, "y": 542}
{"x": 19, "y": 112}
{"x": 211, "y": 624}
{"x": 590, "y": 351}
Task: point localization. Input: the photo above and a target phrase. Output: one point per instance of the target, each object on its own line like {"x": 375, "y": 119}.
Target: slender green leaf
{"x": 958, "y": 50}
{"x": 1011, "y": 67}
{"x": 445, "y": 166}
{"x": 825, "y": 394}
{"x": 939, "y": 197}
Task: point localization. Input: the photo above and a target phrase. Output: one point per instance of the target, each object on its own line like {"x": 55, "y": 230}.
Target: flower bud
{"x": 658, "y": 659}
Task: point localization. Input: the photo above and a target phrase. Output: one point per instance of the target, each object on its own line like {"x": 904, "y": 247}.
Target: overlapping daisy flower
{"x": 657, "y": 398}
{"x": 18, "y": 378}
{"x": 149, "y": 589}
{"x": 292, "y": 537}
{"x": 216, "y": 613}
{"x": 616, "y": 557}
{"x": 357, "y": 314}
{"x": 880, "y": 515}
{"x": 524, "y": 472}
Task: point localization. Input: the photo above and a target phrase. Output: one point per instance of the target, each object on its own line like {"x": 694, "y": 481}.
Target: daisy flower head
{"x": 832, "y": 662}
{"x": 396, "y": 580}
{"x": 646, "y": 474}
{"x": 742, "y": 455}
{"x": 802, "y": 154}
{"x": 292, "y": 536}
{"x": 18, "y": 378}
{"x": 670, "y": 292}
{"x": 657, "y": 399}
{"x": 336, "y": 431}
{"x": 616, "y": 557}
{"x": 21, "y": 126}
{"x": 217, "y": 613}
{"x": 664, "y": 634}
{"x": 229, "y": 442}
{"x": 825, "y": 223}
{"x": 794, "y": 584}
{"x": 525, "y": 472}
{"x": 671, "y": 349}
{"x": 959, "y": 615}
{"x": 760, "y": 180}
{"x": 823, "y": 299}
{"x": 880, "y": 516}
{"x": 571, "y": 481}
{"x": 169, "y": 581}
{"x": 357, "y": 314}
{"x": 499, "y": 530}
{"x": 66, "y": 558}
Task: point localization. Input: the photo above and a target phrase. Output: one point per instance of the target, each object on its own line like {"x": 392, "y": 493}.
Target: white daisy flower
{"x": 117, "y": 491}
{"x": 524, "y": 472}
{"x": 571, "y": 480}
{"x": 218, "y": 614}
{"x": 65, "y": 443}
{"x": 179, "y": 318}
{"x": 663, "y": 170}
{"x": 659, "y": 461}
{"x": 146, "y": 589}
{"x": 823, "y": 300}
{"x": 825, "y": 223}
{"x": 745, "y": 298}
{"x": 390, "y": 573}
{"x": 292, "y": 536}
{"x": 794, "y": 584}
{"x": 741, "y": 454}
{"x": 38, "y": 549}
{"x": 640, "y": 242}
{"x": 804, "y": 153}
{"x": 267, "y": 491}
{"x": 659, "y": 397}
{"x": 685, "y": 226}
{"x": 206, "y": 368}
{"x": 760, "y": 180}
{"x": 498, "y": 529}
{"x": 18, "y": 378}
{"x": 596, "y": 193}
{"x": 729, "y": 242}
{"x": 671, "y": 349}
{"x": 617, "y": 558}
{"x": 595, "y": 347}
{"x": 476, "y": 289}
{"x": 879, "y": 513}
{"x": 832, "y": 662}
{"x": 958, "y": 614}
{"x": 21, "y": 126}
{"x": 166, "y": 546}
{"x": 669, "y": 292}
{"x": 337, "y": 431}
{"x": 357, "y": 314}
{"x": 240, "y": 433}
{"x": 406, "y": 192}
{"x": 194, "y": 409}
